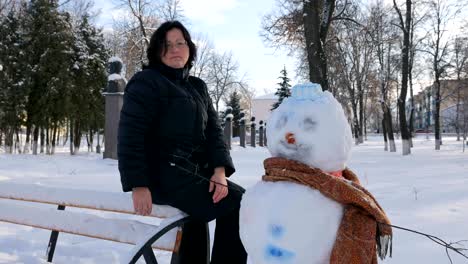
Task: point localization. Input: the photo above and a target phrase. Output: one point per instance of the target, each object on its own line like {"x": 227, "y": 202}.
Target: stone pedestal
{"x": 114, "y": 101}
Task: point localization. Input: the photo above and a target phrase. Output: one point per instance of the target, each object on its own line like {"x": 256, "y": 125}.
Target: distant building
{"x": 261, "y": 106}
{"x": 424, "y": 103}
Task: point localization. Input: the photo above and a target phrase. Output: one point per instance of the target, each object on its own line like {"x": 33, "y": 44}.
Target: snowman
{"x": 288, "y": 221}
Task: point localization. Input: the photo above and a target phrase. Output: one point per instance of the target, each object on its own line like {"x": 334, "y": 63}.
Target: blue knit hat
{"x": 307, "y": 91}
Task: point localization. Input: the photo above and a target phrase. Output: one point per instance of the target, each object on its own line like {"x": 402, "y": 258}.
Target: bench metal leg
{"x": 149, "y": 256}
{"x": 156, "y": 236}
{"x": 53, "y": 241}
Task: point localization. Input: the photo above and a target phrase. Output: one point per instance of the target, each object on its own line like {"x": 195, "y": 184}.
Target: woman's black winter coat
{"x": 169, "y": 135}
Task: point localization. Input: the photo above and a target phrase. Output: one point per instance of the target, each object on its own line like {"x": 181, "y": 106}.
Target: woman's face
{"x": 176, "y": 51}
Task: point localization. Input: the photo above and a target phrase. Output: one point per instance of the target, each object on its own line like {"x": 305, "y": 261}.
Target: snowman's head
{"x": 310, "y": 127}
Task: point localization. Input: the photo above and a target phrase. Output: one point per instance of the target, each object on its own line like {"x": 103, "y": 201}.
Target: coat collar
{"x": 172, "y": 73}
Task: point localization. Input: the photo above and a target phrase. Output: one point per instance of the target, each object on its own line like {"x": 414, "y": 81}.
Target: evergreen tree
{"x": 284, "y": 89}
{"x": 49, "y": 38}
{"x": 12, "y": 80}
{"x": 52, "y": 74}
{"x": 89, "y": 79}
{"x": 234, "y": 103}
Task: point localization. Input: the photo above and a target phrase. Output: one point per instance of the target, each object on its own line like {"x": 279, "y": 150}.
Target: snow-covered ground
{"x": 426, "y": 191}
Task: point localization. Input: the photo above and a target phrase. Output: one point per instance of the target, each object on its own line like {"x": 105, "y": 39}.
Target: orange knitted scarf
{"x": 364, "y": 229}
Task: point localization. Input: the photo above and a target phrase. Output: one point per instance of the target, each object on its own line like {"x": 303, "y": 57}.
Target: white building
{"x": 261, "y": 106}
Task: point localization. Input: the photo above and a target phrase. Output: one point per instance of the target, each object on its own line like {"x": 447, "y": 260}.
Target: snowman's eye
{"x": 309, "y": 124}
{"x": 282, "y": 121}
{"x": 276, "y": 231}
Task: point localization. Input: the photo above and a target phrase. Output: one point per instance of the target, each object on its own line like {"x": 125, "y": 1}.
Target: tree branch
{"x": 400, "y": 16}
{"x": 341, "y": 12}
{"x": 348, "y": 19}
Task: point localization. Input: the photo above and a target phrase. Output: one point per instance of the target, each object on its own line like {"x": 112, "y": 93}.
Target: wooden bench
{"x": 145, "y": 237}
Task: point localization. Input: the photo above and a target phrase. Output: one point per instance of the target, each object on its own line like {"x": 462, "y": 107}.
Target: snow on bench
{"x": 99, "y": 200}
{"x": 81, "y": 223}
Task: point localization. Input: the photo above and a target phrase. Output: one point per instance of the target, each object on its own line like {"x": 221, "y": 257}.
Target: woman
{"x": 171, "y": 149}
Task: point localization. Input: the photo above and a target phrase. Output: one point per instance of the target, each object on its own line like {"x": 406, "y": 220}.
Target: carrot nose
{"x": 290, "y": 138}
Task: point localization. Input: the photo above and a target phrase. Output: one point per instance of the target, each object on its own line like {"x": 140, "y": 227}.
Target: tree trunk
{"x": 437, "y": 114}
{"x": 405, "y": 134}
{"x": 28, "y": 139}
{"x": 87, "y": 140}
{"x": 48, "y": 131}
{"x": 411, "y": 120}
{"x": 356, "y": 123}
{"x": 389, "y": 127}
{"x": 54, "y": 139}
{"x": 42, "y": 135}
{"x": 405, "y": 25}
{"x": 58, "y": 136}
{"x": 384, "y": 132}
{"x": 361, "y": 115}
{"x": 98, "y": 146}
{"x": 457, "y": 117}
{"x": 18, "y": 142}
{"x": 77, "y": 137}
{"x": 67, "y": 132}
{"x": 9, "y": 138}
{"x": 365, "y": 126}
{"x": 317, "y": 17}
{"x": 91, "y": 140}
{"x": 35, "y": 140}
{"x": 71, "y": 136}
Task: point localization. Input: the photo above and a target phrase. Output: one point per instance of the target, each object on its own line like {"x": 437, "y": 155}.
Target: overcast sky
{"x": 232, "y": 25}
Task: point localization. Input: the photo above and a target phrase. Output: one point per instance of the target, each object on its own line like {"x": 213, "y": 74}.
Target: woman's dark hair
{"x": 158, "y": 42}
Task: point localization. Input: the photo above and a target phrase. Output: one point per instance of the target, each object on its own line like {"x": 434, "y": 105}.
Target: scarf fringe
{"x": 384, "y": 243}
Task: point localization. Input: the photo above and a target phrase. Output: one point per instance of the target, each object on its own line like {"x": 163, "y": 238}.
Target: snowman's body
{"x": 284, "y": 222}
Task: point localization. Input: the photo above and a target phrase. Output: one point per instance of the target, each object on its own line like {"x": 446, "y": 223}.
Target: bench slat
{"x": 119, "y": 230}
{"x": 99, "y": 200}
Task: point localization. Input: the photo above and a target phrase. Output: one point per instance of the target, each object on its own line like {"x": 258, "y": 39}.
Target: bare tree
{"x": 78, "y": 9}
{"x": 317, "y": 19}
{"x": 355, "y": 50}
{"x": 205, "y": 51}
{"x": 135, "y": 29}
{"x": 384, "y": 38}
{"x": 373, "y": 112}
{"x": 284, "y": 27}
{"x": 460, "y": 63}
{"x": 405, "y": 25}
{"x": 114, "y": 42}
{"x": 171, "y": 10}
{"x": 414, "y": 70}
{"x": 464, "y": 111}
{"x": 247, "y": 94}
{"x": 222, "y": 76}
{"x": 303, "y": 25}
{"x": 440, "y": 14}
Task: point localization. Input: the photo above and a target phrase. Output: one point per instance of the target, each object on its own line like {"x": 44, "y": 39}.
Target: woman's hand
{"x": 142, "y": 201}
{"x": 218, "y": 183}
